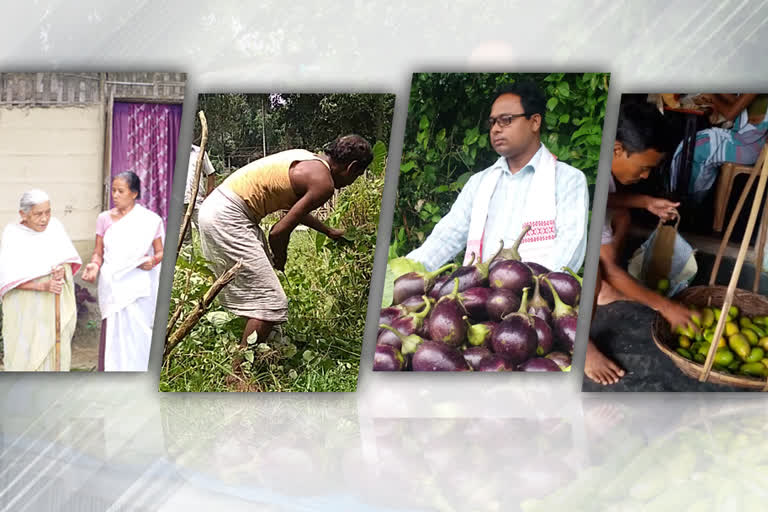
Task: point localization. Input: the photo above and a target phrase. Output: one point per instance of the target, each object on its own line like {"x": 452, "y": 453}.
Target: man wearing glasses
{"x": 525, "y": 186}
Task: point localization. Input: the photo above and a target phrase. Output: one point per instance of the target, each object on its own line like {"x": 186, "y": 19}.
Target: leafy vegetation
{"x": 446, "y": 142}
{"x": 243, "y": 124}
{"x": 327, "y": 283}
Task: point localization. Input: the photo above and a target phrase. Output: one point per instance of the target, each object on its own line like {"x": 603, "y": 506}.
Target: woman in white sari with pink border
{"x": 129, "y": 249}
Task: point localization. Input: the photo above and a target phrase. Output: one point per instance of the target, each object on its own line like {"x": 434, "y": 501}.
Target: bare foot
{"x": 609, "y": 294}
{"x": 599, "y": 368}
{"x": 601, "y": 418}
{"x": 236, "y": 378}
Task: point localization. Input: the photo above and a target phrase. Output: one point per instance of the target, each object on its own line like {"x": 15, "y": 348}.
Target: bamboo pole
{"x": 57, "y": 300}
{"x": 729, "y": 229}
{"x": 194, "y": 316}
{"x": 196, "y": 186}
{"x": 760, "y": 248}
{"x": 737, "y": 268}
{"x": 734, "y": 217}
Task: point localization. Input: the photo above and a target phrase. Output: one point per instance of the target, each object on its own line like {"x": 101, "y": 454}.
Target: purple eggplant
{"x": 388, "y": 315}
{"x": 495, "y": 363}
{"x": 536, "y": 269}
{"x": 435, "y": 292}
{"x": 473, "y": 355}
{"x": 538, "y": 305}
{"x": 471, "y": 276}
{"x": 501, "y": 302}
{"x": 446, "y": 323}
{"x": 406, "y": 344}
{"x": 415, "y": 303}
{"x": 386, "y": 337}
{"x": 565, "y": 284}
{"x": 479, "y": 335}
{"x": 515, "y": 338}
{"x": 544, "y": 337}
{"x": 412, "y": 323}
{"x": 564, "y": 320}
{"x": 388, "y": 359}
{"x": 510, "y": 253}
{"x": 562, "y": 359}
{"x": 435, "y": 356}
{"x": 511, "y": 275}
{"x": 539, "y": 364}
{"x": 410, "y": 305}
{"x": 575, "y": 275}
{"x": 416, "y": 283}
{"x": 468, "y": 277}
{"x": 474, "y": 301}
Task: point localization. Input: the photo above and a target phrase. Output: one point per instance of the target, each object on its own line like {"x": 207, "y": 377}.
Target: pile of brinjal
{"x": 503, "y": 315}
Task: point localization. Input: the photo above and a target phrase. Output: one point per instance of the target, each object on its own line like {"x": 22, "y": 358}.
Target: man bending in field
{"x": 295, "y": 180}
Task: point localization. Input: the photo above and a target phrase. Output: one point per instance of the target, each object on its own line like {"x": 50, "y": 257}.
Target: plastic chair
{"x": 728, "y": 172}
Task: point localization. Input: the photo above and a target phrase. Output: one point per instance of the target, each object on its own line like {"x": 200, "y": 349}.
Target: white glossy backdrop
{"x": 402, "y": 442}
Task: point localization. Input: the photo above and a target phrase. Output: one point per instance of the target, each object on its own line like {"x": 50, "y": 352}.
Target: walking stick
{"x": 58, "y": 332}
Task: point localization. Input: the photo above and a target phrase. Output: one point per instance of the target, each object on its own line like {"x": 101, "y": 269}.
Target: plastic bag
{"x": 665, "y": 249}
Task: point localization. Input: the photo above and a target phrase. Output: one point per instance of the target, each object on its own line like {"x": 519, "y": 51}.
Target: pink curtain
{"x": 144, "y": 140}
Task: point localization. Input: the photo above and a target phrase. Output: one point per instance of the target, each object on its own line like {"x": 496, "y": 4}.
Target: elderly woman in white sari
{"x": 129, "y": 249}
{"x": 37, "y": 262}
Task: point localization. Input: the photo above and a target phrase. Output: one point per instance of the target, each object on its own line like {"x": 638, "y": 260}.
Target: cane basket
{"x": 749, "y": 303}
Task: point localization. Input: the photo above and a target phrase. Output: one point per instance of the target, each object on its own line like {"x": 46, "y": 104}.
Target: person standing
{"x": 126, "y": 259}
{"x": 37, "y": 263}
{"x": 206, "y": 186}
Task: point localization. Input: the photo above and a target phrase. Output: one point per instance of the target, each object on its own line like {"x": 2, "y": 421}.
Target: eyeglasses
{"x": 504, "y": 120}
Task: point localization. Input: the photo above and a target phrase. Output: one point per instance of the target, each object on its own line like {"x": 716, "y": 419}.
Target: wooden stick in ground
{"x": 736, "y": 271}
{"x": 57, "y": 299}
{"x": 196, "y": 185}
{"x": 194, "y": 316}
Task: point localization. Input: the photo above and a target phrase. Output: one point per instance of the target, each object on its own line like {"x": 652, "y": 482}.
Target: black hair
{"x": 642, "y": 127}
{"x": 531, "y": 97}
{"x": 133, "y": 181}
{"x": 350, "y": 148}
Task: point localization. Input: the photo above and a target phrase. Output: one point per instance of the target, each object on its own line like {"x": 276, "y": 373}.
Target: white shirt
{"x": 506, "y": 215}
{"x": 207, "y": 170}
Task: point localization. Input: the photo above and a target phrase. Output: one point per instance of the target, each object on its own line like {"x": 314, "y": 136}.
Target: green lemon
{"x": 755, "y": 355}
{"x": 739, "y": 345}
{"x": 723, "y": 357}
{"x": 751, "y": 336}
{"x": 757, "y": 369}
